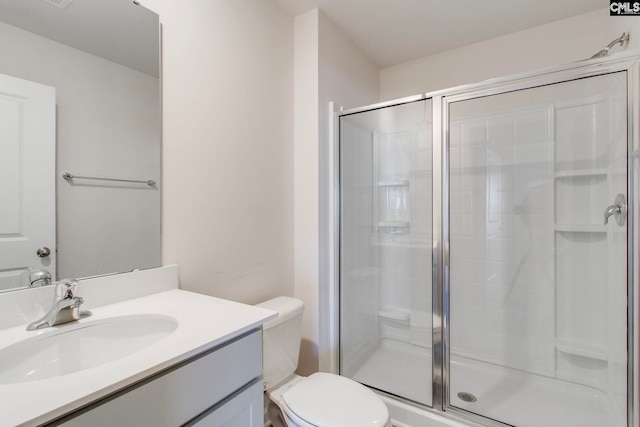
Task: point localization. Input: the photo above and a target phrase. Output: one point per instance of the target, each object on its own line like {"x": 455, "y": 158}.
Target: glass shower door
{"x": 538, "y": 254}
{"x": 385, "y": 249}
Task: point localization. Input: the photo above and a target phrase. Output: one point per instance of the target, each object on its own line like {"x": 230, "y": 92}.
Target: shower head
{"x": 604, "y": 52}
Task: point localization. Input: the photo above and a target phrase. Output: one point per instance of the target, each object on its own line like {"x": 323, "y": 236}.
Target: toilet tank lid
{"x": 287, "y": 307}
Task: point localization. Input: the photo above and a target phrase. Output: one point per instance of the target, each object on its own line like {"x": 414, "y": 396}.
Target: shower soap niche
{"x": 396, "y": 315}
{"x": 393, "y": 201}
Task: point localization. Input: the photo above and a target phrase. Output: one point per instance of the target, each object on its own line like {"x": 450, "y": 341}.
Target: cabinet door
{"x": 243, "y": 410}
{"x": 183, "y": 393}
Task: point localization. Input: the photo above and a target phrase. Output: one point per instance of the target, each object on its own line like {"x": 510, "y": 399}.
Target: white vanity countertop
{"x": 204, "y": 322}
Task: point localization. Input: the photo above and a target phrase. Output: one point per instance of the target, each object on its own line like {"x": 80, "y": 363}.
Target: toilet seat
{"x": 331, "y": 400}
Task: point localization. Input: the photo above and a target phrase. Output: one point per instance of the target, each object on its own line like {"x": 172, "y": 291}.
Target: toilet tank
{"x": 281, "y": 340}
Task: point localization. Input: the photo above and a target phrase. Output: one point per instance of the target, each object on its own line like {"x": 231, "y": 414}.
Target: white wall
{"x": 228, "y": 146}
{"x": 228, "y": 155}
{"x": 328, "y": 68}
{"x": 107, "y": 125}
{"x": 244, "y": 212}
{"x": 556, "y": 43}
{"x": 359, "y": 278}
{"x": 349, "y": 79}
{"x": 306, "y": 126}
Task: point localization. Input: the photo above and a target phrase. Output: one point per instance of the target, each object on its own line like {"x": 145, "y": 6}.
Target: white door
{"x": 27, "y": 178}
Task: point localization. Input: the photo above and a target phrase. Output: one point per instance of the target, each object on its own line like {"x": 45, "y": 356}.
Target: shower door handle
{"x": 619, "y": 210}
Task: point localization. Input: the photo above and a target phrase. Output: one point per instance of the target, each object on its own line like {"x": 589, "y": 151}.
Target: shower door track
{"x": 441, "y": 228}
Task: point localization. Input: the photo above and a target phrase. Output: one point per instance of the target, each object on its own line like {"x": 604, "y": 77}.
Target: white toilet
{"x": 318, "y": 400}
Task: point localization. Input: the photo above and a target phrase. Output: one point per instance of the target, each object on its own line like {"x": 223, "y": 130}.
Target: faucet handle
{"x": 66, "y": 289}
{"x": 618, "y": 210}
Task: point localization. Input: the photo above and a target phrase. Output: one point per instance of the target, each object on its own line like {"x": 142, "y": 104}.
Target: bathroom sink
{"x": 75, "y": 347}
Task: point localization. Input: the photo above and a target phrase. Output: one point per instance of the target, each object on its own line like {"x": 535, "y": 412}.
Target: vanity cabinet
{"x": 220, "y": 387}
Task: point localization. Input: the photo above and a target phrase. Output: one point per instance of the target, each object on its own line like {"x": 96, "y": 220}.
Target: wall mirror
{"x": 79, "y": 95}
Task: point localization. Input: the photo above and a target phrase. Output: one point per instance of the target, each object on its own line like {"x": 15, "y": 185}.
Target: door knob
{"x": 43, "y": 252}
{"x": 619, "y": 210}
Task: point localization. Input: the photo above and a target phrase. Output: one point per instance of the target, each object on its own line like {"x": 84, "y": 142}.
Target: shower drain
{"x": 467, "y": 397}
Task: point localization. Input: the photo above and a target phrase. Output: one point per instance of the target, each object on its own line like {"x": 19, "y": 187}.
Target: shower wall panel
{"x": 617, "y": 255}
{"x": 359, "y": 270}
{"x": 501, "y": 233}
{"x": 537, "y": 281}
{"x": 394, "y": 230}
{"x": 403, "y": 235}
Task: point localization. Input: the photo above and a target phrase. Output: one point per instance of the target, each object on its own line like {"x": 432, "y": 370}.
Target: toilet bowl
{"x": 321, "y": 399}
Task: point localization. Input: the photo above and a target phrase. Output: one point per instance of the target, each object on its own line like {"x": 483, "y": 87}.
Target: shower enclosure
{"x": 486, "y": 268}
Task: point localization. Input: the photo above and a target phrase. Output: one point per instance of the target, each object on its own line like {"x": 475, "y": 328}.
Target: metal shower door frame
{"x": 441, "y": 100}
{"x": 441, "y": 282}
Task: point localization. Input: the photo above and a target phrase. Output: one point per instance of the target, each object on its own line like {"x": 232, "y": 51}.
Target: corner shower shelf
{"x": 363, "y": 272}
{"x": 394, "y": 183}
{"x": 393, "y": 224}
{"x": 581, "y": 228}
{"x": 581, "y": 173}
{"x": 403, "y": 241}
{"x": 580, "y": 349}
{"x": 393, "y": 227}
{"x": 395, "y": 314}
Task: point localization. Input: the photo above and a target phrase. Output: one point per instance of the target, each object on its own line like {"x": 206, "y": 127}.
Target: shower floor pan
{"x": 505, "y": 394}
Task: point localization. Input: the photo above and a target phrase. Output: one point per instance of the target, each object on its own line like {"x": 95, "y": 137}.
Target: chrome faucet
{"x": 65, "y": 308}
{"x": 35, "y": 277}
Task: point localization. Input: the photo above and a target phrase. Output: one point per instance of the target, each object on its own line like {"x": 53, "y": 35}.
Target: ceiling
{"x": 118, "y": 30}
{"x": 390, "y": 32}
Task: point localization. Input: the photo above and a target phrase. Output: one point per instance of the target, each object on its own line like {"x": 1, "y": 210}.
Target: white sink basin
{"x": 74, "y": 347}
